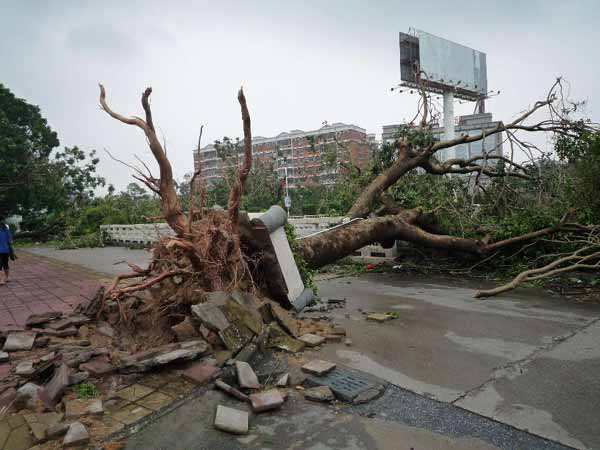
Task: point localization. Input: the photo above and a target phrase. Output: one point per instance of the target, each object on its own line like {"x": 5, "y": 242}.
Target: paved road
{"x": 109, "y": 261}
{"x": 528, "y": 360}
{"x": 525, "y": 361}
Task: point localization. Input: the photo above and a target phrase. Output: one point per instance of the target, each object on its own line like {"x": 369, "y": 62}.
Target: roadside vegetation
{"x": 56, "y": 194}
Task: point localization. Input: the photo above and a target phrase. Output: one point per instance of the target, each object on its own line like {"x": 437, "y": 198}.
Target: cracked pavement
{"x": 527, "y": 359}
{"x": 519, "y": 371}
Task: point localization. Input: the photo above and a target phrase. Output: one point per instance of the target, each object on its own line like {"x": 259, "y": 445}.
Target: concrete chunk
{"x": 266, "y": 401}
{"x": 27, "y": 396}
{"x": 4, "y": 357}
{"x": 70, "y": 321}
{"x": 200, "y": 373}
{"x": 38, "y": 319}
{"x": 283, "y": 381}
{"x": 312, "y": 340}
{"x": 54, "y": 390}
{"x": 25, "y": 368}
{"x": 319, "y": 394}
{"x": 318, "y": 367}
{"x": 76, "y": 435}
{"x": 16, "y": 342}
{"x": 246, "y": 376}
{"x": 210, "y": 316}
{"x": 97, "y": 367}
{"x": 232, "y": 391}
{"x": 231, "y": 420}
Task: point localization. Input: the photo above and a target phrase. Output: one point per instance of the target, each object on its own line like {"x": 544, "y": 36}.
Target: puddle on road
{"x": 358, "y": 361}
{"x": 510, "y": 350}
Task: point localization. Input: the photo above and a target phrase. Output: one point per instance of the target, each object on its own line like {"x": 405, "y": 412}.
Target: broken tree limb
{"x": 237, "y": 191}
{"x": 576, "y": 261}
{"x": 171, "y": 206}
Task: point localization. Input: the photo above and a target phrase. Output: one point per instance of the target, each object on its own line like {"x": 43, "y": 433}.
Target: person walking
{"x": 6, "y": 251}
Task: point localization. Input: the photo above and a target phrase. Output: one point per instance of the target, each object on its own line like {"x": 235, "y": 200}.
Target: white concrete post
{"x": 449, "y": 121}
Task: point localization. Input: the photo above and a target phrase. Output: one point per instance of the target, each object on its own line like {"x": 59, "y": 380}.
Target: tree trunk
{"x": 342, "y": 241}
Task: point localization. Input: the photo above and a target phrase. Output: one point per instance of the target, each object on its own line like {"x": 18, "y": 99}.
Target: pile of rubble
{"x": 267, "y": 397}
{"x": 44, "y": 364}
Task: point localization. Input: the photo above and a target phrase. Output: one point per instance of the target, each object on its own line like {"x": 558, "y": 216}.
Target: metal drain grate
{"x": 344, "y": 384}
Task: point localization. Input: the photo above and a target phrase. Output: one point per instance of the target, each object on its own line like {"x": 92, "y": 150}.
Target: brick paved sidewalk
{"x": 39, "y": 285}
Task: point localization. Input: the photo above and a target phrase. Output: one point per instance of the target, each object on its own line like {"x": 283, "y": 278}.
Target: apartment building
{"x": 309, "y": 157}
{"x": 471, "y": 125}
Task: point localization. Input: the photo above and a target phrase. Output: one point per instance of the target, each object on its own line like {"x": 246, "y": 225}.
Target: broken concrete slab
{"x": 246, "y": 376}
{"x": 76, "y": 435}
{"x": 25, "y": 369}
{"x": 27, "y": 396}
{"x": 67, "y": 322}
{"x": 200, "y": 373}
{"x": 312, "y": 340}
{"x": 231, "y": 420}
{"x": 186, "y": 353}
{"x": 231, "y": 391}
{"x": 4, "y": 357}
{"x": 283, "y": 381}
{"x": 247, "y": 353}
{"x": 266, "y": 401}
{"x": 285, "y": 319}
{"x": 78, "y": 377}
{"x": 16, "y": 342}
{"x": 243, "y": 315}
{"x": 57, "y": 430}
{"x": 319, "y": 394}
{"x": 39, "y": 319}
{"x": 211, "y": 316}
{"x": 318, "y": 367}
{"x": 289, "y": 344}
{"x": 97, "y": 367}
{"x": 54, "y": 390}
{"x": 235, "y": 337}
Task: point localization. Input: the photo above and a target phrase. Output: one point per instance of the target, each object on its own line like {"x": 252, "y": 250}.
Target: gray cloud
{"x": 300, "y": 63}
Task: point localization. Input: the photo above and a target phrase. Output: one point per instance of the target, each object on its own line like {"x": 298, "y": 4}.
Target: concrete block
{"x": 246, "y": 376}
{"x": 266, "y": 401}
{"x": 231, "y": 420}
{"x": 318, "y": 367}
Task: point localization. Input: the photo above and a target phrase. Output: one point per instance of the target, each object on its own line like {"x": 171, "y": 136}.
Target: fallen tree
{"x": 213, "y": 250}
{"x": 378, "y": 220}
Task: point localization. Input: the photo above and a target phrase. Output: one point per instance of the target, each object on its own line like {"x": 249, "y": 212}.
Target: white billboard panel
{"x": 452, "y": 64}
{"x": 444, "y": 65}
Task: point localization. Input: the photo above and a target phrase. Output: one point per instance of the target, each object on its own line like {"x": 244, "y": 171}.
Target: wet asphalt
{"x": 408, "y": 408}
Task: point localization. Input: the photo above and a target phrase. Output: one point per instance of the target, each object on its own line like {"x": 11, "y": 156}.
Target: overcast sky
{"x": 300, "y": 63}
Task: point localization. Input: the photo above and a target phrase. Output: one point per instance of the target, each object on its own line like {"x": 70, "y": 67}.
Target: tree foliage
{"x": 38, "y": 181}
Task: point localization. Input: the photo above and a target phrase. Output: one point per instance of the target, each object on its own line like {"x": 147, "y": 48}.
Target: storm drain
{"x": 346, "y": 385}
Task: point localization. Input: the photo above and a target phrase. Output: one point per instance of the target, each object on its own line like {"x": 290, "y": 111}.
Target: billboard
{"x": 444, "y": 65}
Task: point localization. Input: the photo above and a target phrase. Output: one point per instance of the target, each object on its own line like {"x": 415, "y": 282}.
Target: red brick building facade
{"x": 311, "y": 157}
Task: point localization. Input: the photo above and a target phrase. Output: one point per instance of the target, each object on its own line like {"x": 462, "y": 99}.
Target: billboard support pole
{"x": 449, "y": 118}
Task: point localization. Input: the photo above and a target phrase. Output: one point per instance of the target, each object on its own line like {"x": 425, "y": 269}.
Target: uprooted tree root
{"x": 204, "y": 255}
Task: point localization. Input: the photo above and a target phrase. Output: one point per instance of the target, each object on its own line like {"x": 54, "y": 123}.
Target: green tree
{"x": 37, "y": 180}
